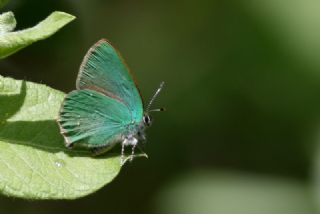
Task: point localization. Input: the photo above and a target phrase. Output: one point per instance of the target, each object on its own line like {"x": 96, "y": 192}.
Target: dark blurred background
{"x": 242, "y": 91}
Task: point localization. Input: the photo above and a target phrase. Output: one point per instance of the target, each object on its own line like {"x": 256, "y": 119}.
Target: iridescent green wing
{"x": 104, "y": 70}
{"x": 90, "y": 118}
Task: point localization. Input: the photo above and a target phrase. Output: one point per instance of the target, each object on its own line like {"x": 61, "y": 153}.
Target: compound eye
{"x": 147, "y": 120}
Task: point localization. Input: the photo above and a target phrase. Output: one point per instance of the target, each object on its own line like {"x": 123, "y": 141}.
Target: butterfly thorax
{"x": 136, "y": 130}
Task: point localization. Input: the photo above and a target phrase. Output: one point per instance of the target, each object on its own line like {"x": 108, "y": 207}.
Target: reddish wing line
{"x": 98, "y": 89}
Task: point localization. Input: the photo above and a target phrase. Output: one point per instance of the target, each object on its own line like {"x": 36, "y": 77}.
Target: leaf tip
{"x": 60, "y": 14}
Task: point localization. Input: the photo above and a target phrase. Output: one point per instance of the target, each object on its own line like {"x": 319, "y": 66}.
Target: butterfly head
{"x": 147, "y": 120}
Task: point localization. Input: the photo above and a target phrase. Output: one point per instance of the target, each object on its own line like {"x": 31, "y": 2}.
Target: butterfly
{"x": 107, "y": 107}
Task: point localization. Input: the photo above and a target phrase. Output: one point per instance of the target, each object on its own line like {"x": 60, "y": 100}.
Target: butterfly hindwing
{"x": 104, "y": 70}
{"x": 92, "y": 119}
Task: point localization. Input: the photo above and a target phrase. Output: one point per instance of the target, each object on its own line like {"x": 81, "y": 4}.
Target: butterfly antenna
{"x": 154, "y": 97}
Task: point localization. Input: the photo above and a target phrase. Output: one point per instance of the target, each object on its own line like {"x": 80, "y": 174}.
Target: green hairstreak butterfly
{"x": 107, "y": 107}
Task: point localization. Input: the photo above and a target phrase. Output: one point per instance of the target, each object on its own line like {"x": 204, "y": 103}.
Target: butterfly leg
{"x": 101, "y": 150}
{"x": 132, "y": 152}
{"x": 128, "y": 140}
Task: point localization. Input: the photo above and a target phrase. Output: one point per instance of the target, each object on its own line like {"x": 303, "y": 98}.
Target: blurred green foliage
{"x": 3, "y": 2}
{"x": 242, "y": 92}
{"x": 11, "y": 42}
{"x": 205, "y": 192}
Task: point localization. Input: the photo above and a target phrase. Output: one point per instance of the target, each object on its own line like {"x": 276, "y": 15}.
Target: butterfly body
{"x": 107, "y": 107}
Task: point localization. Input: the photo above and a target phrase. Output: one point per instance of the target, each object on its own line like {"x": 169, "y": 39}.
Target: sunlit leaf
{"x": 34, "y": 162}
{"x": 7, "y": 22}
{"x": 11, "y": 42}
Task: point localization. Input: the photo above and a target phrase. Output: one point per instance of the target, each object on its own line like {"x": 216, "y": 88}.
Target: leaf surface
{"x": 34, "y": 162}
{"x": 11, "y": 42}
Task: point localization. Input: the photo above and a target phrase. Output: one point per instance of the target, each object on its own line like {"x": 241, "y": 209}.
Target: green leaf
{"x": 34, "y": 162}
{"x": 11, "y": 42}
{"x": 7, "y": 22}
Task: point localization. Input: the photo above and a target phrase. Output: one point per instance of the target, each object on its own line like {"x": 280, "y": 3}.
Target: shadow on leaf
{"x": 10, "y": 104}
{"x": 42, "y": 134}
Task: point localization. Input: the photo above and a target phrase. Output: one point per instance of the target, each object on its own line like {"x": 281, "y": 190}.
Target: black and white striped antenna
{"x": 154, "y": 97}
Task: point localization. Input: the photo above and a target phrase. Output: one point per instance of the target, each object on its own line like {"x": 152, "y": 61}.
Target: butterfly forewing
{"x": 93, "y": 119}
{"x": 104, "y": 71}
